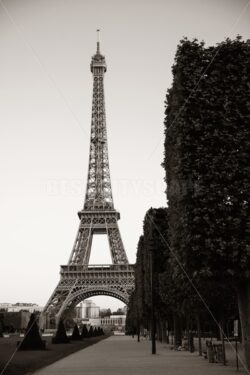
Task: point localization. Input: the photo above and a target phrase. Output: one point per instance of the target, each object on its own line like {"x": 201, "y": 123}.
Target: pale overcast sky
{"x": 45, "y": 111}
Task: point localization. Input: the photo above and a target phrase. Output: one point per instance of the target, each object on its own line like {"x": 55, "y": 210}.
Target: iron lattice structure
{"x": 78, "y": 279}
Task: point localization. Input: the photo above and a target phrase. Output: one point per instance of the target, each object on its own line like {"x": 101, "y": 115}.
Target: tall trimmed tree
{"x": 32, "y": 339}
{"x": 207, "y": 158}
{"x": 85, "y": 332}
{"x": 76, "y": 334}
{"x": 61, "y": 335}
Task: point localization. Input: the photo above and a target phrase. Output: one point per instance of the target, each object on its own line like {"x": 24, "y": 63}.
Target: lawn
{"x": 25, "y": 362}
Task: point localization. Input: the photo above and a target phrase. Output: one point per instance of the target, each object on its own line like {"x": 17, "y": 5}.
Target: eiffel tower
{"x": 79, "y": 280}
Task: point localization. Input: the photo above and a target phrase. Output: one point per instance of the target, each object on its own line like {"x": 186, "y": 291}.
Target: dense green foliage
{"x": 151, "y": 256}
{"x": 207, "y": 159}
{"x": 207, "y": 164}
{"x": 200, "y": 244}
{"x": 104, "y": 313}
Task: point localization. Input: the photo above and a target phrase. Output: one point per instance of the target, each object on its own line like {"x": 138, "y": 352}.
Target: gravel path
{"x": 122, "y": 355}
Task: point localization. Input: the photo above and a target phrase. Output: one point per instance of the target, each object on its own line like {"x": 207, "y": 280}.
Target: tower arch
{"x": 87, "y": 293}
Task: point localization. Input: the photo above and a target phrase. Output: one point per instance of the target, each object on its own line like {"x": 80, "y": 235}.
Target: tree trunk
{"x": 177, "y": 331}
{"x": 222, "y": 337}
{"x": 218, "y": 333}
{"x": 167, "y": 338}
{"x": 243, "y": 293}
{"x": 138, "y": 328}
{"x": 171, "y": 329}
{"x": 199, "y": 334}
{"x": 191, "y": 341}
{"x": 138, "y": 334}
{"x": 190, "y": 335}
{"x": 159, "y": 329}
{"x": 172, "y": 337}
{"x": 164, "y": 333}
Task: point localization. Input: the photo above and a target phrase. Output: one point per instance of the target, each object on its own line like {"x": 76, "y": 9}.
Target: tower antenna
{"x": 98, "y": 40}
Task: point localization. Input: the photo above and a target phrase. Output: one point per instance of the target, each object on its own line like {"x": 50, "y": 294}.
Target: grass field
{"x": 26, "y": 362}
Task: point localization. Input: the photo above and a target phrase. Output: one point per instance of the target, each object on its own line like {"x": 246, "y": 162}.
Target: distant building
{"x": 5, "y": 306}
{"x": 15, "y": 317}
{"x": 95, "y": 322}
{"x": 115, "y": 322}
{"x": 30, "y": 307}
{"x": 88, "y": 310}
{"x": 14, "y": 321}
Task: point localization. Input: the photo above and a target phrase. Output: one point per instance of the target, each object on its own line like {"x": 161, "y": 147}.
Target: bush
{"x": 76, "y": 334}
{"x": 32, "y": 339}
{"x": 85, "y": 332}
{"x": 61, "y": 336}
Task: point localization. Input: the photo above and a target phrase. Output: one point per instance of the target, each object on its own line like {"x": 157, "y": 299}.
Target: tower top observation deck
{"x": 98, "y": 60}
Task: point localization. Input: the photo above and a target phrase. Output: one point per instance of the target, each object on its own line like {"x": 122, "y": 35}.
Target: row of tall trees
{"x": 202, "y": 249}
{"x": 179, "y": 305}
{"x": 151, "y": 260}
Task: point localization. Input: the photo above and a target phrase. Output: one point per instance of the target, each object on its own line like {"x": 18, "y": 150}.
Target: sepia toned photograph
{"x": 125, "y": 187}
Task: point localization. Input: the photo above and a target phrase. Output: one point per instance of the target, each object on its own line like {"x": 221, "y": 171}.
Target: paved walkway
{"x": 122, "y": 355}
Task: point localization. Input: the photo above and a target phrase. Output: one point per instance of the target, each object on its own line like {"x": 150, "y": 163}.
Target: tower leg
{"x": 116, "y": 246}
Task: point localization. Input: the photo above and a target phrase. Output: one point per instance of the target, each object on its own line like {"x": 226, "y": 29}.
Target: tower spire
{"x": 98, "y": 191}
{"x": 98, "y": 41}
